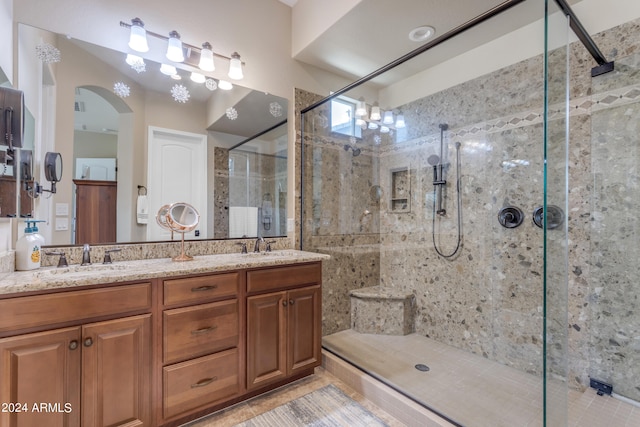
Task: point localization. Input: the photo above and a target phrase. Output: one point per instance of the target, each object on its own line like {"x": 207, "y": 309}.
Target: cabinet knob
{"x": 73, "y": 345}
{"x": 284, "y": 303}
{"x": 290, "y": 302}
{"x": 88, "y": 342}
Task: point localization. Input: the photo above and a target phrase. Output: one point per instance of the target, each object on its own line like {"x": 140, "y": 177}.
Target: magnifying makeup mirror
{"x": 53, "y": 168}
{"x": 179, "y": 217}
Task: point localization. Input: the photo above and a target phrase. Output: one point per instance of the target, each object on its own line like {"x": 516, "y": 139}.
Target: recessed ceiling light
{"x": 422, "y": 33}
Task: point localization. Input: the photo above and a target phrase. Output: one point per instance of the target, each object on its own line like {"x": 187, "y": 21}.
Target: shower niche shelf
{"x": 400, "y": 190}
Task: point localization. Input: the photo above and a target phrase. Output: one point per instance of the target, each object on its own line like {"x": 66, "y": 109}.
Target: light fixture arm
{"x": 185, "y": 45}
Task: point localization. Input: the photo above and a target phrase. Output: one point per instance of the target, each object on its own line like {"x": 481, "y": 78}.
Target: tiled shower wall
{"x": 488, "y": 298}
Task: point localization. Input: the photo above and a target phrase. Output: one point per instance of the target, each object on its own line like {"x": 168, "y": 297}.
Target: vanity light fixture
{"x": 387, "y": 119}
{"x": 400, "y": 121}
{"x": 375, "y": 112}
{"x": 235, "y": 67}
{"x": 225, "y": 85}
{"x": 168, "y": 70}
{"x": 206, "y": 58}
{"x": 361, "y": 108}
{"x": 177, "y": 51}
{"x": 174, "y": 47}
{"x": 138, "y": 36}
{"x": 197, "y": 77}
{"x": 136, "y": 63}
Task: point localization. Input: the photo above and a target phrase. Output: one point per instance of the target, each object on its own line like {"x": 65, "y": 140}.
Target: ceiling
{"x": 376, "y": 32}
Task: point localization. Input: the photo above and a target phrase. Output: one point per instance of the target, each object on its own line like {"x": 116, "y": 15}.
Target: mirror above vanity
{"x": 136, "y": 139}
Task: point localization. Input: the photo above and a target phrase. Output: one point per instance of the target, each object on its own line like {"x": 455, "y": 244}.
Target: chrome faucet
{"x": 86, "y": 254}
{"x": 256, "y": 247}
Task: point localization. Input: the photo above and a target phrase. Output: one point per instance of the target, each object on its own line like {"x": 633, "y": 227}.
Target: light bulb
{"x": 235, "y": 67}
{"x": 375, "y": 112}
{"x": 168, "y": 70}
{"x": 387, "y": 119}
{"x": 174, "y": 47}
{"x": 400, "y": 121}
{"x": 138, "y": 36}
{"x": 361, "y": 109}
{"x": 197, "y": 77}
{"x": 206, "y": 58}
{"x": 225, "y": 85}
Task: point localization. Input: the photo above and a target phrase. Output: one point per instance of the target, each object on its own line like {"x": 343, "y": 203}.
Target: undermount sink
{"x": 82, "y": 269}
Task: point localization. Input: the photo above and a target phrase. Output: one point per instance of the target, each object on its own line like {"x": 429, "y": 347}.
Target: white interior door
{"x": 177, "y": 172}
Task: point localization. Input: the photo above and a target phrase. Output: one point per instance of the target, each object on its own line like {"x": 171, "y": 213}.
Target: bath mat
{"x": 325, "y": 407}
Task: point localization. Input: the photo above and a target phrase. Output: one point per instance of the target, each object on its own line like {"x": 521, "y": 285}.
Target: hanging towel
{"x": 243, "y": 221}
{"x": 142, "y": 209}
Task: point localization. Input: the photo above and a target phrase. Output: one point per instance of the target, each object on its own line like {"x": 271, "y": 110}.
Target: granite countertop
{"x": 50, "y": 278}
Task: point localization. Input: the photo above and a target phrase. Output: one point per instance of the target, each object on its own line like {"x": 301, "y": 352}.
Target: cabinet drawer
{"x": 49, "y": 310}
{"x": 283, "y": 277}
{"x": 198, "y": 382}
{"x": 201, "y": 288}
{"x": 194, "y": 331}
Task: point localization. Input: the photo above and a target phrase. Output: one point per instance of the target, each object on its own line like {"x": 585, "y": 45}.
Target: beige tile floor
{"x": 258, "y": 405}
{"x": 475, "y": 391}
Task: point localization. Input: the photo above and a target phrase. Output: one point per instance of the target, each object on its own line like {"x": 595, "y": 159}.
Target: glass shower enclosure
{"x": 441, "y": 188}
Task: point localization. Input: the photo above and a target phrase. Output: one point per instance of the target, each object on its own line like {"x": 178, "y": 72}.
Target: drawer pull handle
{"x": 204, "y": 288}
{"x": 204, "y": 382}
{"x": 88, "y": 342}
{"x": 73, "y": 345}
{"x": 204, "y": 330}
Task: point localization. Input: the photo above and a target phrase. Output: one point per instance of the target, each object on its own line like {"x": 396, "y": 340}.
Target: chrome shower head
{"x": 433, "y": 159}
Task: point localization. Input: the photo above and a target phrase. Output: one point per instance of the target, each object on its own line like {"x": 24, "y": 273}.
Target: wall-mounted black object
{"x": 555, "y": 217}
{"x": 52, "y": 173}
{"x": 602, "y": 387}
{"x": 510, "y": 216}
{"x": 26, "y": 165}
{"x": 11, "y": 118}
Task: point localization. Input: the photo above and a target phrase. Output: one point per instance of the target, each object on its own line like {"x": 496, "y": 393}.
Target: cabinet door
{"x": 266, "y": 341}
{"x": 116, "y": 368}
{"x": 304, "y": 323}
{"x": 41, "y": 369}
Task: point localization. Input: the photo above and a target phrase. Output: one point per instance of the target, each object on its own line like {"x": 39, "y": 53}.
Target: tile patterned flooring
{"x": 476, "y": 392}
{"x": 260, "y": 404}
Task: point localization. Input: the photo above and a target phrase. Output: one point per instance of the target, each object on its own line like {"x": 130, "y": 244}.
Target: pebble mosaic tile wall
{"x": 488, "y": 299}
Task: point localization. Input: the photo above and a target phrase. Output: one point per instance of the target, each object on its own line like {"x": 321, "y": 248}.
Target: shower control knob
{"x": 555, "y": 217}
{"x": 510, "y": 216}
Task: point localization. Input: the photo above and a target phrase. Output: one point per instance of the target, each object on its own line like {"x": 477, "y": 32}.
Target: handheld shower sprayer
{"x": 439, "y": 185}
{"x": 439, "y": 179}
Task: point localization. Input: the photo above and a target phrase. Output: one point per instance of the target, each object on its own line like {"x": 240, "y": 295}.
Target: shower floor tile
{"x": 470, "y": 389}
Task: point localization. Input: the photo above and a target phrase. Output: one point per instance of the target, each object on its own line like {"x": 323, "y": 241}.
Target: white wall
{"x": 260, "y": 30}
{"x": 311, "y": 18}
{"x": 6, "y": 37}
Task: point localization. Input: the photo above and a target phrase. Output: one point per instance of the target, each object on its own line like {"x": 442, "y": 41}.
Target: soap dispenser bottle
{"x": 28, "y": 249}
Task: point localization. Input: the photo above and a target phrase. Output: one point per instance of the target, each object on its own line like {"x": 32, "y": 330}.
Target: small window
{"x": 343, "y": 118}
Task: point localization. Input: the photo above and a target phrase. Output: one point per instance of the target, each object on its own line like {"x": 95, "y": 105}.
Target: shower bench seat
{"x": 382, "y": 310}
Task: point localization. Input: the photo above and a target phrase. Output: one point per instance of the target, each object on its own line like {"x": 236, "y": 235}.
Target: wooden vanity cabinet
{"x": 284, "y": 318}
{"x": 160, "y": 352}
{"x": 96, "y": 211}
{"x": 201, "y": 346}
{"x": 87, "y": 374}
